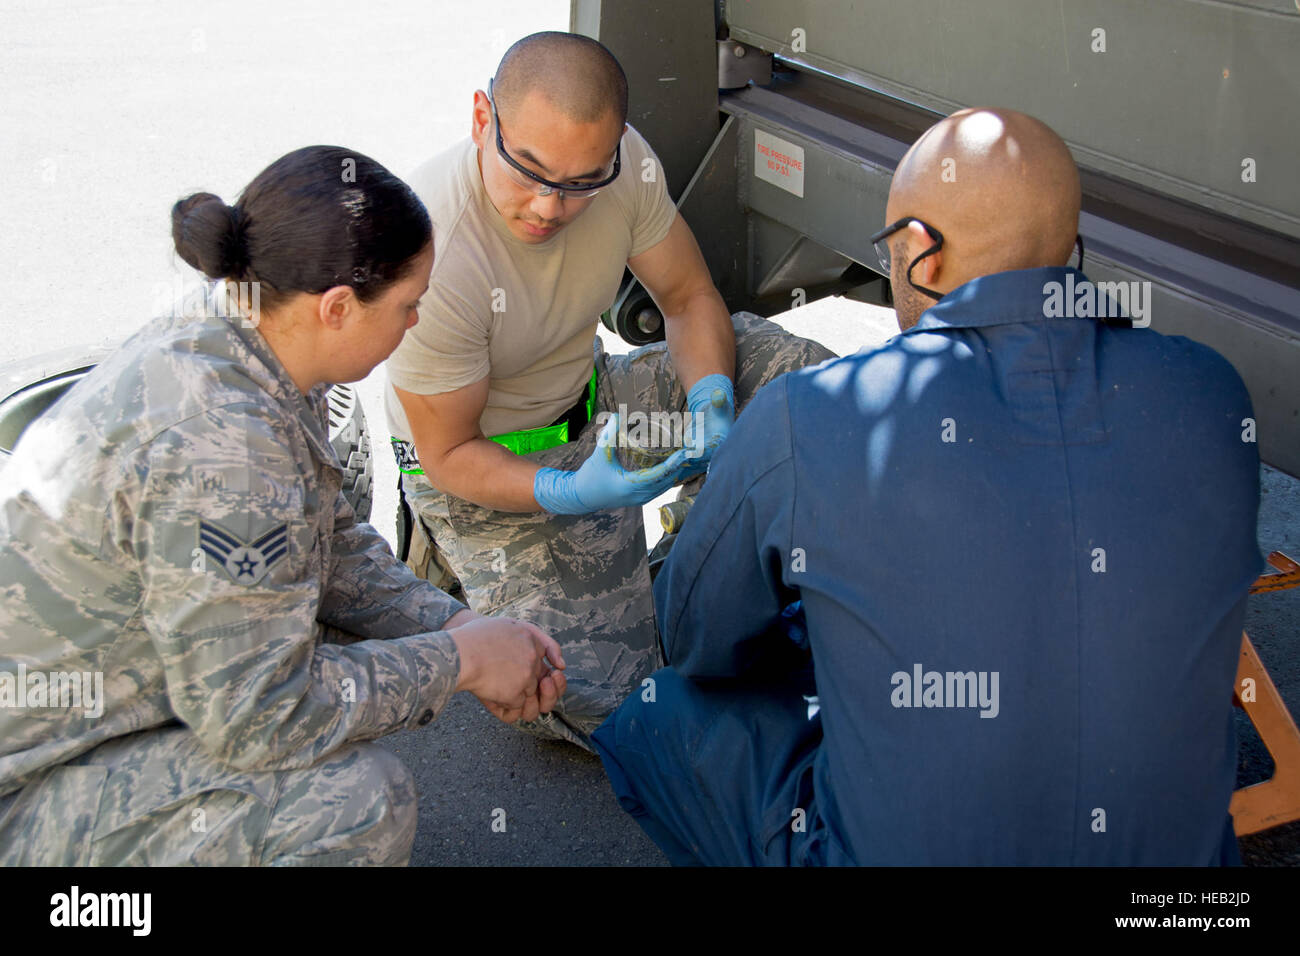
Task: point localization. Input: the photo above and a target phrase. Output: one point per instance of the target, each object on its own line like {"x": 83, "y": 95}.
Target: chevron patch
{"x": 245, "y": 562}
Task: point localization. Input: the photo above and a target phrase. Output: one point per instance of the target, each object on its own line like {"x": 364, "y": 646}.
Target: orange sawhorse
{"x": 1277, "y": 800}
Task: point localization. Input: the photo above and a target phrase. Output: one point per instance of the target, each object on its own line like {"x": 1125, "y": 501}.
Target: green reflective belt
{"x": 528, "y": 440}
{"x": 521, "y": 442}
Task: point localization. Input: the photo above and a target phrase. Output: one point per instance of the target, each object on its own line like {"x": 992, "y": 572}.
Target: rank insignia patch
{"x": 245, "y": 562}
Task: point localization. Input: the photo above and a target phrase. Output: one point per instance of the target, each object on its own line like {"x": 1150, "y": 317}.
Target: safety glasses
{"x": 528, "y": 179}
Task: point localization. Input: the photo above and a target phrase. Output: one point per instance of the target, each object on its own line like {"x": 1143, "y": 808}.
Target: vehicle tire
{"x": 351, "y": 441}
{"x": 30, "y": 387}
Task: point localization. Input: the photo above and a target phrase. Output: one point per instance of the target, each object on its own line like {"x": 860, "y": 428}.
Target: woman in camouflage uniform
{"x": 197, "y": 638}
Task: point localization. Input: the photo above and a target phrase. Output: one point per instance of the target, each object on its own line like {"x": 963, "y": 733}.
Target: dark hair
{"x": 578, "y": 74}
{"x": 316, "y": 218}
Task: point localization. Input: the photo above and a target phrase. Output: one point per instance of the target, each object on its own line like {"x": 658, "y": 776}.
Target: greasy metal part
{"x": 673, "y": 515}
{"x": 739, "y": 65}
{"x": 635, "y": 457}
{"x": 649, "y": 321}
{"x": 635, "y": 317}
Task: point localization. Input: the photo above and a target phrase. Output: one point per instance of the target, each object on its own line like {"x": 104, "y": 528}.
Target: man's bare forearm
{"x": 701, "y": 339}
{"x": 487, "y": 474}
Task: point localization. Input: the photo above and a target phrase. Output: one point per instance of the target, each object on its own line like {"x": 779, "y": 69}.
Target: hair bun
{"x": 211, "y": 236}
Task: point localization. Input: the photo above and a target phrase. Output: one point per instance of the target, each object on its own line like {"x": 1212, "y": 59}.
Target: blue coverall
{"x": 1022, "y": 545}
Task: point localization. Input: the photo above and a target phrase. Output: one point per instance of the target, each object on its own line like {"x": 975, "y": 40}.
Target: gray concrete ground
{"x": 114, "y": 111}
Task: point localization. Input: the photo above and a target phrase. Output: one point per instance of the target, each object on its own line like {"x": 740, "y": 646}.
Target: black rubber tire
{"x": 351, "y": 440}
{"x": 30, "y": 387}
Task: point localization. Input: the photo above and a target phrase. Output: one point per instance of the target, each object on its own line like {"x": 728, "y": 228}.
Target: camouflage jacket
{"x": 173, "y": 530}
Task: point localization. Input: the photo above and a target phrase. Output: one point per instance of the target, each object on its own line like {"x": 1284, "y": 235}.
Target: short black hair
{"x": 576, "y": 73}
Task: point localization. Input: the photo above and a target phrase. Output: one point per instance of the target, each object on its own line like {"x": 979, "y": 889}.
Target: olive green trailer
{"x": 779, "y": 123}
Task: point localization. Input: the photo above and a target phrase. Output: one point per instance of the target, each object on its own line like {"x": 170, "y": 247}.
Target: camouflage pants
{"x": 155, "y": 798}
{"x": 584, "y": 579}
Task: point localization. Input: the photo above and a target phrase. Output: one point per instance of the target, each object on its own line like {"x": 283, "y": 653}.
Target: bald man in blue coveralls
{"x": 1010, "y": 550}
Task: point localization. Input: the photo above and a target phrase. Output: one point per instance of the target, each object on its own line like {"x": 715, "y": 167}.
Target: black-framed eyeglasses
{"x": 881, "y": 241}
{"x": 1078, "y": 245}
{"x": 545, "y": 187}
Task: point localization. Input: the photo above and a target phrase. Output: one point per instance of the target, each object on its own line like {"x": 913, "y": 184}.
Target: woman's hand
{"x": 511, "y": 666}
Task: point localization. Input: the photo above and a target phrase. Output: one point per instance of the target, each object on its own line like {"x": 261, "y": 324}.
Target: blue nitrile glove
{"x": 711, "y": 403}
{"x": 602, "y": 482}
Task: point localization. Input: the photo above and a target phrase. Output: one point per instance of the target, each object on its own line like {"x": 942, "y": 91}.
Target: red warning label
{"x": 778, "y": 162}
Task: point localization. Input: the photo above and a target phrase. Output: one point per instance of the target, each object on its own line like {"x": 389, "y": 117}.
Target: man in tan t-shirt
{"x": 503, "y": 434}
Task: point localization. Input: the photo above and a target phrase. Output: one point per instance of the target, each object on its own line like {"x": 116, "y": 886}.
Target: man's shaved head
{"x": 579, "y": 77}
{"x": 1001, "y": 187}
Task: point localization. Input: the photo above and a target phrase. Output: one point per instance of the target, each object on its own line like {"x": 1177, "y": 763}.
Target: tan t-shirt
{"x": 522, "y": 314}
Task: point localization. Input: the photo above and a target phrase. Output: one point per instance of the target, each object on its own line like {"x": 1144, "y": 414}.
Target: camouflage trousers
{"x": 584, "y": 579}
{"x": 154, "y": 798}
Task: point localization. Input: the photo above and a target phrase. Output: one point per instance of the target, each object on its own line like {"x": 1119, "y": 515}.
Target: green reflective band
{"x": 528, "y": 440}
